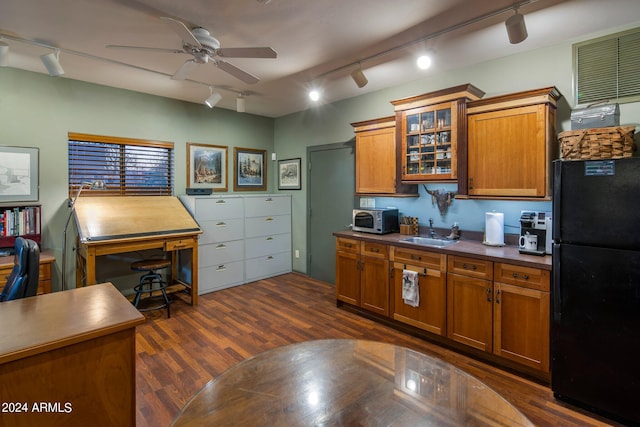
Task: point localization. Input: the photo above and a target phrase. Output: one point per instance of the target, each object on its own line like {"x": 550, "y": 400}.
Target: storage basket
{"x": 598, "y": 143}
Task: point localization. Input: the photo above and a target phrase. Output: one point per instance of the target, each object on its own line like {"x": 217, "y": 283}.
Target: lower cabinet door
{"x": 521, "y": 325}
{"x": 348, "y": 277}
{"x": 374, "y": 285}
{"x": 470, "y": 308}
{"x": 430, "y": 314}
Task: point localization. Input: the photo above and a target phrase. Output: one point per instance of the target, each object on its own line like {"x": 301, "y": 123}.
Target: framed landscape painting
{"x": 289, "y": 174}
{"x": 207, "y": 166}
{"x": 18, "y": 174}
{"x": 250, "y": 169}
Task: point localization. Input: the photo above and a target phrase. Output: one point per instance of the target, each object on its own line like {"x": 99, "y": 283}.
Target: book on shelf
{"x": 19, "y": 221}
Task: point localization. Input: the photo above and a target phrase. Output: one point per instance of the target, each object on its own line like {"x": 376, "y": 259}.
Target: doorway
{"x": 331, "y": 198}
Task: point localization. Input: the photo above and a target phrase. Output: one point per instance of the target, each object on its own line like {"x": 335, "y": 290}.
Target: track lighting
{"x": 4, "y": 54}
{"x": 240, "y": 103}
{"x": 516, "y": 29}
{"x": 213, "y": 99}
{"x": 52, "y": 63}
{"x": 359, "y": 78}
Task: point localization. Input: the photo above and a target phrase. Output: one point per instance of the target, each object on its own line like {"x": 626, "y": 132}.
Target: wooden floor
{"x": 178, "y": 356}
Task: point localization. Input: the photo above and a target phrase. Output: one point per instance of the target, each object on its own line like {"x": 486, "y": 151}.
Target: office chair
{"x": 33, "y": 269}
{"x": 17, "y": 280}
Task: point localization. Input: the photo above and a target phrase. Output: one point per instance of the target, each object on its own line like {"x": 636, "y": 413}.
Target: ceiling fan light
{"x": 52, "y": 64}
{"x": 359, "y": 78}
{"x": 516, "y": 28}
{"x": 4, "y": 54}
{"x": 213, "y": 99}
{"x": 240, "y": 104}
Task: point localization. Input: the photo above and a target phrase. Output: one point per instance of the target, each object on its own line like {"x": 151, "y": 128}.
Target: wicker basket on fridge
{"x": 597, "y": 143}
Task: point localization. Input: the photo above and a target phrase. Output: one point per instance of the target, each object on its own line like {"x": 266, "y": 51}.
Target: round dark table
{"x": 346, "y": 383}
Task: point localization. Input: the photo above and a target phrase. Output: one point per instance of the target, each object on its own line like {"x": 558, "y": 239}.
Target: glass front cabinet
{"x": 431, "y": 133}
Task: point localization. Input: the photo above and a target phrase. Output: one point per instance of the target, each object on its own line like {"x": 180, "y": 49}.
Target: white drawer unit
{"x": 244, "y": 238}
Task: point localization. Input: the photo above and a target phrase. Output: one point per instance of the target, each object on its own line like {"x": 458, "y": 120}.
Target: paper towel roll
{"x": 494, "y": 229}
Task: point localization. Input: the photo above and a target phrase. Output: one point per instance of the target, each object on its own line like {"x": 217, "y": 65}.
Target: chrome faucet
{"x": 432, "y": 232}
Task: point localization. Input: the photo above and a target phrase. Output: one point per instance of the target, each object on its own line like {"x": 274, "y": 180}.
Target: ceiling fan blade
{"x": 247, "y": 52}
{"x": 185, "y": 33}
{"x": 237, "y": 72}
{"x": 185, "y": 70}
{"x": 152, "y": 49}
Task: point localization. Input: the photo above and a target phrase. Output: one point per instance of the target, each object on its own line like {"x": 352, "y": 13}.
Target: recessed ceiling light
{"x": 424, "y": 62}
{"x": 314, "y": 95}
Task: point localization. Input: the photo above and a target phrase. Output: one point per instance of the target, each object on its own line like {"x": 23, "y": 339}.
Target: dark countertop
{"x": 471, "y": 248}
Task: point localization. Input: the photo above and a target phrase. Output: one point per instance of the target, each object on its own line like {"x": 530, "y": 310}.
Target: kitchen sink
{"x": 429, "y": 241}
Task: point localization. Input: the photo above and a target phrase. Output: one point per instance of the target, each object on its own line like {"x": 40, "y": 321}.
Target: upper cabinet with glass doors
{"x": 431, "y": 133}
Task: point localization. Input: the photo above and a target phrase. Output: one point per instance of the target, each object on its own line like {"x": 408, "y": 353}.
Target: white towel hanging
{"x": 410, "y": 288}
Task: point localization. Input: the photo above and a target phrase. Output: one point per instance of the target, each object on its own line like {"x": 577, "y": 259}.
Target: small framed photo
{"x": 289, "y": 174}
{"x": 18, "y": 174}
{"x": 250, "y": 169}
{"x": 207, "y": 166}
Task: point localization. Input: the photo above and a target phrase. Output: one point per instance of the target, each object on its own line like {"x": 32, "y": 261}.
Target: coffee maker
{"x": 535, "y": 233}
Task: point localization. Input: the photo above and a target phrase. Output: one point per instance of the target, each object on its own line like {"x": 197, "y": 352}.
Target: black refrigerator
{"x": 595, "y": 325}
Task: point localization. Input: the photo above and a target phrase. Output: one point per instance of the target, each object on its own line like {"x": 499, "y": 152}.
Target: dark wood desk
{"x": 347, "y": 382}
{"x": 68, "y": 359}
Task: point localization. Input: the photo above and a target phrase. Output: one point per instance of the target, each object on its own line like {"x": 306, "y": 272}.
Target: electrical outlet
{"x": 297, "y": 253}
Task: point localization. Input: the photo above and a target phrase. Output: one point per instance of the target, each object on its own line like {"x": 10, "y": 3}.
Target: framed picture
{"x": 18, "y": 174}
{"x": 207, "y": 166}
{"x": 250, "y": 169}
{"x": 289, "y": 174}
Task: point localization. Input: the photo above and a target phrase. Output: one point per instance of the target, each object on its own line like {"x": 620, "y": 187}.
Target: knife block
{"x": 411, "y": 228}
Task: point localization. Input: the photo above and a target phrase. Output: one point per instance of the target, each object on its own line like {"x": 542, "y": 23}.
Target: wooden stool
{"x": 151, "y": 282}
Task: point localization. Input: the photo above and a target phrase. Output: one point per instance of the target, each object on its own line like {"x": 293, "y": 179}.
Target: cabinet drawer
{"x": 418, "y": 257}
{"x": 261, "y": 246}
{"x": 220, "y": 276}
{"x": 221, "y": 230}
{"x": 267, "y": 205}
{"x": 220, "y": 253}
{"x": 267, "y": 225}
{"x": 219, "y": 208}
{"x": 470, "y": 267}
{"x": 174, "y": 245}
{"x": 528, "y": 277}
{"x": 347, "y": 245}
{"x": 267, "y": 266}
{"x": 377, "y": 250}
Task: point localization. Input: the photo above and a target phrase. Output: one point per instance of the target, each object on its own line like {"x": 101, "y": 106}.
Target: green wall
{"x": 38, "y": 111}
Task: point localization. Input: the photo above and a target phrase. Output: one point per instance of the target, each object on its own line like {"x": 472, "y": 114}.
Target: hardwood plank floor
{"x": 176, "y": 357}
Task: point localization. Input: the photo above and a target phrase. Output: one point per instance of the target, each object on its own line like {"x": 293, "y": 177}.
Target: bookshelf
{"x": 19, "y": 221}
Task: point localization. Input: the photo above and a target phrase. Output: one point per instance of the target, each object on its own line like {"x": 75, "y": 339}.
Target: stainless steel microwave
{"x": 376, "y": 220}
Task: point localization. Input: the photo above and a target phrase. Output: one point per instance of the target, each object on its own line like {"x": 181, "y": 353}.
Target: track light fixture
{"x": 240, "y": 103}
{"x": 359, "y": 78}
{"x": 52, "y": 63}
{"x": 213, "y": 99}
{"x": 4, "y": 54}
{"x": 516, "y": 28}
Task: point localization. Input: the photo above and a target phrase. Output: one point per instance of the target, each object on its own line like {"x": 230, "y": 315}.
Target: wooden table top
{"x": 346, "y": 382}
{"x": 45, "y": 322}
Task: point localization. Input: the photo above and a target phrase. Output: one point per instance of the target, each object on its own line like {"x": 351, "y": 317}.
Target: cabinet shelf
{"x": 19, "y": 221}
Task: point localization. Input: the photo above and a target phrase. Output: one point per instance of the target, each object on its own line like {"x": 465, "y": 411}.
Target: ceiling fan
{"x": 204, "y": 47}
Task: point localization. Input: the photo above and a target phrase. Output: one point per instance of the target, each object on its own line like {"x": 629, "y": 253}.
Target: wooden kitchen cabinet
{"x": 431, "y": 133}
{"x": 470, "y": 302}
{"x": 377, "y": 164}
{"x": 362, "y": 274}
{"x": 521, "y": 315}
{"x": 430, "y": 314}
{"x": 511, "y": 145}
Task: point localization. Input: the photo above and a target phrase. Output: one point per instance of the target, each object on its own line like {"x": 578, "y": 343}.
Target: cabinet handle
{"x": 497, "y": 296}
{"x": 269, "y": 258}
{"x": 520, "y": 276}
{"x": 414, "y": 257}
{"x": 374, "y": 250}
{"x": 221, "y": 224}
{"x": 347, "y": 245}
{"x": 221, "y": 201}
{"x": 269, "y": 219}
{"x": 469, "y": 267}
{"x": 489, "y": 294}
{"x": 268, "y": 199}
{"x": 470, "y": 183}
{"x": 269, "y": 238}
{"x": 221, "y": 246}
{"x": 221, "y": 267}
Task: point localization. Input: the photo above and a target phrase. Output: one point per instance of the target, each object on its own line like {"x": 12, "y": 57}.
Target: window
{"x": 128, "y": 167}
{"x": 607, "y": 68}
